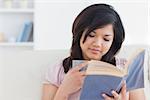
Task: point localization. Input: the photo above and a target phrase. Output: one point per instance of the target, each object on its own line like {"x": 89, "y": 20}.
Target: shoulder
{"x": 120, "y": 62}
{"x": 56, "y": 66}
{"x": 55, "y": 73}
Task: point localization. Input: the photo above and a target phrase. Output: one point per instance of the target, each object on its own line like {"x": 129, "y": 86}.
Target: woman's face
{"x": 97, "y": 43}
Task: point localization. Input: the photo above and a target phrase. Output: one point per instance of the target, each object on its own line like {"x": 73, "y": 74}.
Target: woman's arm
{"x": 49, "y": 91}
{"x": 137, "y": 94}
{"x": 71, "y": 83}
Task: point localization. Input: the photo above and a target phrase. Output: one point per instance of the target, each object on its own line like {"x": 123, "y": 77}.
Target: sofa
{"x": 22, "y": 71}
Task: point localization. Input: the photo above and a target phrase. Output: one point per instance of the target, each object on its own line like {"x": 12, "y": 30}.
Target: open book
{"x": 103, "y": 77}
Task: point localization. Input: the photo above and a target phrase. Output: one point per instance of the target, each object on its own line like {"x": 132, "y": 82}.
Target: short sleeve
{"x": 120, "y": 62}
{"x": 54, "y": 74}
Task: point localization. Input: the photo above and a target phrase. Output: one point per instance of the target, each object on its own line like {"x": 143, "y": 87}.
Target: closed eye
{"x": 106, "y": 39}
{"x": 92, "y": 34}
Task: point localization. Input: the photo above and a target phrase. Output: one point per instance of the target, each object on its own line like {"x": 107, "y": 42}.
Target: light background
{"x": 53, "y": 21}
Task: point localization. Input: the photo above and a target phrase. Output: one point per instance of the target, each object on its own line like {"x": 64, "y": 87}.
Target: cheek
{"x": 84, "y": 46}
{"x": 88, "y": 42}
{"x": 106, "y": 47}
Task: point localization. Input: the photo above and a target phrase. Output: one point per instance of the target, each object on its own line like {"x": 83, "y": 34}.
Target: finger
{"x": 115, "y": 94}
{"x": 83, "y": 73}
{"x": 82, "y": 79}
{"x": 124, "y": 87}
{"x": 123, "y": 90}
{"x": 106, "y": 97}
{"x": 80, "y": 66}
{"x": 82, "y": 76}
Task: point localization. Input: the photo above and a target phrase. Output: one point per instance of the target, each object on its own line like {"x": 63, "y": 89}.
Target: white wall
{"x": 53, "y": 21}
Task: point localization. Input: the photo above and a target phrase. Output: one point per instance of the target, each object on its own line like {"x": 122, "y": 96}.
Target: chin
{"x": 94, "y": 58}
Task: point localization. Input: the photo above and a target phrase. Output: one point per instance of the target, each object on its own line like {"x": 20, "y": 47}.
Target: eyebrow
{"x": 104, "y": 35}
{"x": 108, "y": 35}
{"x": 94, "y": 32}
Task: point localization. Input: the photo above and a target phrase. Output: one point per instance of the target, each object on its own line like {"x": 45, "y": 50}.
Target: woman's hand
{"x": 73, "y": 80}
{"x": 121, "y": 96}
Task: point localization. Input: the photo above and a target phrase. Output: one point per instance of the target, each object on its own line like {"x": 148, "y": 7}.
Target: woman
{"x": 98, "y": 34}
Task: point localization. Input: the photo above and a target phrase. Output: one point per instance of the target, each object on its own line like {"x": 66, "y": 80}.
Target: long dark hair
{"x": 91, "y": 18}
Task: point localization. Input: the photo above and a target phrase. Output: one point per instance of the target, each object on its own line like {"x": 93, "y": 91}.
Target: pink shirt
{"x": 55, "y": 75}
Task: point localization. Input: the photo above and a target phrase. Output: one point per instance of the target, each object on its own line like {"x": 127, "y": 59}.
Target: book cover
{"x": 26, "y": 32}
{"x": 103, "y": 77}
{"x": 30, "y": 38}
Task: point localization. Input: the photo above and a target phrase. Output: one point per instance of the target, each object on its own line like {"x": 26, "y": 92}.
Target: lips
{"x": 95, "y": 51}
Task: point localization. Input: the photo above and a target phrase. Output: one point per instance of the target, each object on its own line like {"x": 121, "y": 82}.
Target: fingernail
{"x": 112, "y": 91}
{"x": 124, "y": 82}
{"x": 103, "y": 95}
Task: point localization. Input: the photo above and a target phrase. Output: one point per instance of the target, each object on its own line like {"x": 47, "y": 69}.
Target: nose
{"x": 98, "y": 42}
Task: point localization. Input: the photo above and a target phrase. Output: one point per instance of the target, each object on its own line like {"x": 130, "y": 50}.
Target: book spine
{"x": 26, "y": 32}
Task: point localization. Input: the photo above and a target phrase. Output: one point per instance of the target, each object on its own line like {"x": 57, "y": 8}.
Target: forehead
{"x": 106, "y": 30}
